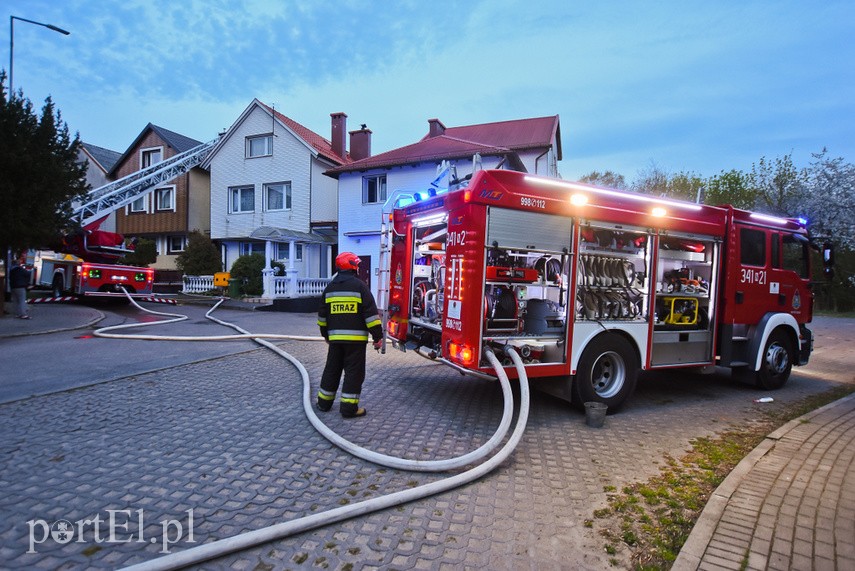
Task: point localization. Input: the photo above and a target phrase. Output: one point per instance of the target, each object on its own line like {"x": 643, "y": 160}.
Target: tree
{"x": 684, "y": 186}
{"x": 200, "y": 257}
{"x": 779, "y": 185}
{"x": 829, "y": 202}
{"x": 144, "y": 254}
{"x": 829, "y": 206}
{"x": 732, "y": 187}
{"x": 652, "y": 180}
{"x": 39, "y": 173}
{"x": 606, "y": 179}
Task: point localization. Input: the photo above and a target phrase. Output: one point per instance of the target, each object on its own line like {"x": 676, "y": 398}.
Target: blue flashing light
{"x": 417, "y": 197}
{"x": 803, "y": 221}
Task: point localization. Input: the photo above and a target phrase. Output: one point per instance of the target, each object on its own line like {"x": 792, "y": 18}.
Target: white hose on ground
{"x": 371, "y": 456}
{"x": 246, "y": 540}
{"x": 249, "y": 539}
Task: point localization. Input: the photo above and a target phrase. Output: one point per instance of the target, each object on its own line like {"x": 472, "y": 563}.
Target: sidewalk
{"x": 48, "y": 318}
{"x": 790, "y": 504}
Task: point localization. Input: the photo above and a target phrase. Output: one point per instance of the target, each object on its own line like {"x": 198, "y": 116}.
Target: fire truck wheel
{"x": 607, "y": 372}
{"x": 57, "y": 286}
{"x": 776, "y": 363}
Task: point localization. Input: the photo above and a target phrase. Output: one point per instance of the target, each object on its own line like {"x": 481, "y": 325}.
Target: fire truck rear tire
{"x": 607, "y": 372}
{"x": 776, "y": 362}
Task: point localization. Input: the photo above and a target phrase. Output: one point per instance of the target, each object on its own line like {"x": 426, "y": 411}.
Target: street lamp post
{"x": 12, "y": 42}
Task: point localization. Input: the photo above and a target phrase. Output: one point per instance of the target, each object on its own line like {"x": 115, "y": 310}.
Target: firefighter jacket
{"x": 348, "y": 311}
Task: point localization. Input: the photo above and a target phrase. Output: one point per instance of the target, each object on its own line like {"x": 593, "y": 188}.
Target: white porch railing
{"x": 297, "y": 287}
{"x": 197, "y": 284}
{"x": 275, "y": 286}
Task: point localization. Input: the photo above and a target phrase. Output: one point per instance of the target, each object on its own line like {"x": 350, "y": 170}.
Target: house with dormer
{"x": 169, "y": 212}
{"x": 269, "y": 195}
{"x": 526, "y": 145}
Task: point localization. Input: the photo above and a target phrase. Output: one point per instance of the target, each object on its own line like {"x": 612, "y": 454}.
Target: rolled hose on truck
{"x": 282, "y": 530}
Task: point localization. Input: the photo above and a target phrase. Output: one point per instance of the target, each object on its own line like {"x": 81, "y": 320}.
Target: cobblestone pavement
{"x": 227, "y": 439}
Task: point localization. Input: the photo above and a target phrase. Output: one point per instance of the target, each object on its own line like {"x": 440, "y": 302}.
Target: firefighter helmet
{"x": 347, "y": 261}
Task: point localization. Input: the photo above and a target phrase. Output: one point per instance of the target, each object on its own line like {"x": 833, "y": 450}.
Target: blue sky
{"x": 694, "y": 86}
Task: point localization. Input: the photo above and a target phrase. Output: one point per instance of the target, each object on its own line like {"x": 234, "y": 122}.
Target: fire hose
{"x": 282, "y": 530}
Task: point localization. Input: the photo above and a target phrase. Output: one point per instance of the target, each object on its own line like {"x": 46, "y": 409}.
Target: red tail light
{"x": 461, "y": 353}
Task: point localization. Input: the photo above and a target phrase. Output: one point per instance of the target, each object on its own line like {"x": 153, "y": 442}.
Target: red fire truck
{"x": 86, "y": 268}
{"x": 591, "y": 285}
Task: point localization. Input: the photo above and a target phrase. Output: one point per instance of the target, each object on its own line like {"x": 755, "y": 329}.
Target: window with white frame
{"x": 241, "y": 199}
{"x": 374, "y": 189}
{"x": 175, "y": 244}
{"x": 277, "y": 196}
{"x": 150, "y": 157}
{"x": 249, "y": 248}
{"x": 164, "y": 198}
{"x": 284, "y": 252}
{"x": 259, "y": 146}
{"x": 140, "y": 204}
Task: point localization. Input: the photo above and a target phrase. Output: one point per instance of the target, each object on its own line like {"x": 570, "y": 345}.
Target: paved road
{"x": 226, "y": 437}
{"x": 75, "y": 358}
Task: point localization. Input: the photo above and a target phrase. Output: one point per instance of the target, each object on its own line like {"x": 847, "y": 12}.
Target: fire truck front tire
{"x": 776, "y": 362}
{"x": 607, "y": 372}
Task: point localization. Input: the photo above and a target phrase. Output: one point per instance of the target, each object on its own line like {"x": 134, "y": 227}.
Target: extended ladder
{"x": 110, "y": 197}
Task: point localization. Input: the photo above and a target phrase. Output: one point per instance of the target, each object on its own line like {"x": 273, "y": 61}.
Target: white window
{"x": 259, "y": 146}
{"x": 248, "y": 248}
{"x": 140, "y": 204}
{"x": 150, "y": 157}
{"x": 277, "y": 196}
{"x": 175, "y": 244}
{"x": 241, "y": 199}
{"x": 374, "y": 189}
{"x": 284, "y": 252}
{"x": 164, "y": 198}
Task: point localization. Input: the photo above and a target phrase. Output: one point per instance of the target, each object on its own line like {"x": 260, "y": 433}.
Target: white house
{"x": 527, "y": 145}
{"x": 269, "y": 195}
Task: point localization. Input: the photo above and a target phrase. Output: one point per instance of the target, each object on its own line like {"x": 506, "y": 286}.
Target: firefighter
{"x": 347, "y": 316}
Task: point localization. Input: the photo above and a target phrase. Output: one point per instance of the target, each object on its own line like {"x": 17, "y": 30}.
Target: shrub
{"x": 200, "y": 258}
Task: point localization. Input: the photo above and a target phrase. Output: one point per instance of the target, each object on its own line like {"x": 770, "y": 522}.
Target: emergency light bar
{"x": 772, "y": 219}
{"x": 615, "y": 193}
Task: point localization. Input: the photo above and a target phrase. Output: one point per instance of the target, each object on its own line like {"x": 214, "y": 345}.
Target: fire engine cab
{"x": 591, "y": 285}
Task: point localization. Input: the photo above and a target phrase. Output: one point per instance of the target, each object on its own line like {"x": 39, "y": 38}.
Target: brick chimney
{"x": 436, "y": 128}
{"x": 339, "y": 127}
{"x": 360, "y": 143}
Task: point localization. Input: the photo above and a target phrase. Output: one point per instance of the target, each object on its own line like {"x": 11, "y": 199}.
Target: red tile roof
{"x": 458, "y": 142}
{"x": 320, "y": 144}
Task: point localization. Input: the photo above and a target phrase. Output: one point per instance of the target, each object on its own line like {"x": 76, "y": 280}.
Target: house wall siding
{"x": 152, "y": 222}
{"x": 324, "y": 194}
{"x": 199, "y": 210}
{"x": 290, "y": 161}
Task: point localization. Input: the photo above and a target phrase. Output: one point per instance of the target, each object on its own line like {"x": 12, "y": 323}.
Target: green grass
{"x": 651, "y": 520}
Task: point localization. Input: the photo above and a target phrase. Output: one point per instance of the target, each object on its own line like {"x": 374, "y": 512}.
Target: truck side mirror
{"x": 828, "y": 260}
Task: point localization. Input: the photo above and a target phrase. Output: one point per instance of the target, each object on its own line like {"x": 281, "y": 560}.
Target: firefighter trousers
{"x": 350, "y": 359}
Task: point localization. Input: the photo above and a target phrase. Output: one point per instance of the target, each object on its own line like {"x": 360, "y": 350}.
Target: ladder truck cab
{"x": 591, "y": 285}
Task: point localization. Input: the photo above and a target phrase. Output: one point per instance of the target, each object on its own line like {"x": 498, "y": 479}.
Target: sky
{"x": 681, "y": 86}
